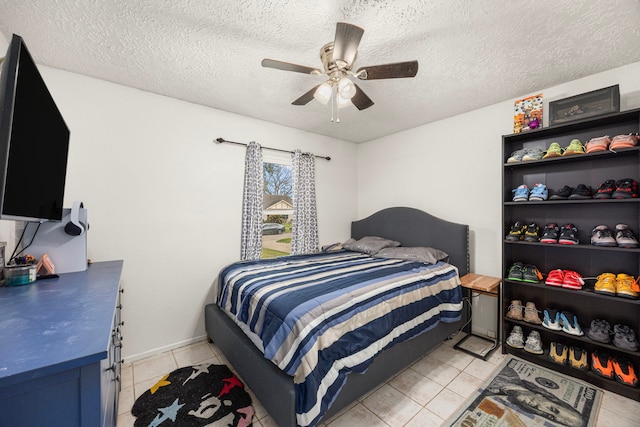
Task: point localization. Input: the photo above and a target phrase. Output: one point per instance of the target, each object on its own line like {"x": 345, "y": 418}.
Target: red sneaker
{"x": 555, "y": 278}
{"x": 572, "y": 280}
{"x": 602, "y": 364}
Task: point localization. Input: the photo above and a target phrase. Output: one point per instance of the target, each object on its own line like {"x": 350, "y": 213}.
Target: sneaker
{"x": 569, "y": 235}
{"x": 570, "y": 324}
{"x": 624, "y": 372}
{"x": 563, "y": 193}
{"x": 601, "y": 236}
{"x": 554, "y": 150}
{"x": 520, "y": 194}
{"x": 572, "y": 280}
{"x": 602, "y": 364}
{"x": 531, "y": 314}
{"x": 516, "y": 338}
{"x": 515, "y": 310}
{"x": 533, "y": 344}
{"x": 625, "y": 189}
{"x": 551, "y": 319}
{"x": 605, "y": 190}
{"x": 624, "y": 286}
{"x": 539, "y": 192}
{"x": 532, "y": 233}
{"x": 555, "y": 278}
{"x": 578, "y": 358}
{"x": 550, "y": 233}
{"x": 606, "y": 284}
{"x": 625, "y": 237}
{"x": 623, "y": 141}
{"x": 515, "y": 272}
{"x": 625, "y": 338}
{"x": 581, "y": 192}
{"x": 558, "y": 353}
{"x": 516, "y": 156}
{"x": 597, "y": 144}
{"x": 517, "y": 232}
{"x": 531, "y": 274}
{"x": 533, "y": 153}
{"x": 600, "y": 331}
{"x": 575, "y": 147}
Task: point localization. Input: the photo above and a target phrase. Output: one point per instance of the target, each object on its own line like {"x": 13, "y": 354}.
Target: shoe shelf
{"x": 588, "y": 260}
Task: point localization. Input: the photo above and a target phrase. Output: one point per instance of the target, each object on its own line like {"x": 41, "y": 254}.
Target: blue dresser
{"x": 60, "y": 350}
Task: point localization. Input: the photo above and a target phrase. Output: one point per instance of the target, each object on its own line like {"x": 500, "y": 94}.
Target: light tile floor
{"x": 422, "y": 395}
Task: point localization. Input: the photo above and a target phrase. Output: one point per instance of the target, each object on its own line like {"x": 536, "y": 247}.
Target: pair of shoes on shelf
{"x": 622, "y": 285}
{"x": 581, "y": 192}
{"x": 526, "y": 154}
{"x": 565, "y": 278}
{"x": 528, "y": 313}
{"x": 617, "y": 368}
{"x": 538, "y": 193}
{"x": 623, "y": 336}
{"x": 562, "y": 321}
{"x": 626, "y": 188}
{"x": 520, "y": 272}
{"x": 604, "y": 143}
{"x": 574, "y": 357}
{"x": 567, "y": 235}
{"x": 533, "y": 343}
{"x": 519, "y": 231}
{"x": 602, "y": 235}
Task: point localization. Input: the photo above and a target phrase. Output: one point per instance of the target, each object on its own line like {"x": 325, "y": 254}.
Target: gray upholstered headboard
{"x": 413, "y": 227}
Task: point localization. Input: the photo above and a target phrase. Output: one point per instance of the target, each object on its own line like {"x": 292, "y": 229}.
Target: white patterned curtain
{"x": 251, "y": 245}
{"x": 304, "y": 232}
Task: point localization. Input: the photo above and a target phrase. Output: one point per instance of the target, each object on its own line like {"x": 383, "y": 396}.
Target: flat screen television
{"x": 34, "y": 141}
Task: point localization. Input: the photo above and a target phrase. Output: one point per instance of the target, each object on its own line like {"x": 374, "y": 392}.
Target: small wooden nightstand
{"x": 486, "y": 285}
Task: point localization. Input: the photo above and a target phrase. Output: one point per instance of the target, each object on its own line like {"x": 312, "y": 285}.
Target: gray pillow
{"x": 369, "y": 244}
{"x": 419, "y": 254}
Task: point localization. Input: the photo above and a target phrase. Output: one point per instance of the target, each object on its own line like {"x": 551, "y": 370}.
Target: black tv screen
{"x": 34, "y": 141}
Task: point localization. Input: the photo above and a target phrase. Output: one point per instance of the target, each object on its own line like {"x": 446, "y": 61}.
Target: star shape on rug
{"x": 197, "y": 370}
{"x": 168, "y": 413}
{"x": 163, "y": 382}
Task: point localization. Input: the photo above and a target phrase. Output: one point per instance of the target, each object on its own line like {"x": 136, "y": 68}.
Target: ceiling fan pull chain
{"x": 335, "y": 103}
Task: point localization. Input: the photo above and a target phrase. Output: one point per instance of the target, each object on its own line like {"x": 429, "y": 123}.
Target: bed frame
{"x": 274, "y": 389}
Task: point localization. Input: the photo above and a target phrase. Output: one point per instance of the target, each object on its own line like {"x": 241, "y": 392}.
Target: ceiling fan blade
{"x": 388, "y": 71}
{"x": 287, "y": 66}
{"x": 360, "y": 99}
{"x": 304, "y": 99}
{"x": 345, "y": 43}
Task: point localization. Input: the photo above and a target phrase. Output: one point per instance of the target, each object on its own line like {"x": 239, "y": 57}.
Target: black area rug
{"x": 200, "y": 395}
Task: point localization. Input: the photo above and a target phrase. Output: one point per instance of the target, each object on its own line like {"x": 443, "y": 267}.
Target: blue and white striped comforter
{"x": 321, "y": 316}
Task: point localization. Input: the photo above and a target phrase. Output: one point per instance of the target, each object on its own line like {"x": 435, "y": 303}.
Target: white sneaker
{"x": 533, "y": 344}
{"x": 516, "y": 338}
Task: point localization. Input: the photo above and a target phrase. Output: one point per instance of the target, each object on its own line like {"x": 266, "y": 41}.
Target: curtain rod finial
{"x": 220, "y": 140}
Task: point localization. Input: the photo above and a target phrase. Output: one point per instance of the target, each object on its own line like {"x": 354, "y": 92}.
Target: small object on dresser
{"x": 17, "y": 275}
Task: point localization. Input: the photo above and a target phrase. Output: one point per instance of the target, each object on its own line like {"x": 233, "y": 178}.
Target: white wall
{"x": 166, "y": 199}
{"x": 452, "y": 169}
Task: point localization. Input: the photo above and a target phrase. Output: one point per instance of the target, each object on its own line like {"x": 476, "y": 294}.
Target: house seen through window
{"x": 277, "y": 211}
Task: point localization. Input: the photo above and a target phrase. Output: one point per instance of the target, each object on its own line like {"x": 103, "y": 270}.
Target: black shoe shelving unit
{"x": 590, "y": 261}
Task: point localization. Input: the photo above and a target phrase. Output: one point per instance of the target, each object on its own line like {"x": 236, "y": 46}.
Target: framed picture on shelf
{"x": 586, "y": 105}
{"x": 528, "y": 113}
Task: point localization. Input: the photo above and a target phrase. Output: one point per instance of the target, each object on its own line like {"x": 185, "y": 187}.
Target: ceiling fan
{"x": 338, "y": 58}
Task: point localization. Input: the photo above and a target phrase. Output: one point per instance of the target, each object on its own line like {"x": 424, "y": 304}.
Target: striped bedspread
{"x": 320, "y": 316}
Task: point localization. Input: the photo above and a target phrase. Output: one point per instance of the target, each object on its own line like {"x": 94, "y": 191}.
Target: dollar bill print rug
{"x": 200, "y": 395}
{"x": 522, "y": 394}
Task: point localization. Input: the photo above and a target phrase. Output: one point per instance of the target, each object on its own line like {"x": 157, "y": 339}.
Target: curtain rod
{"x": 221, "y": 140}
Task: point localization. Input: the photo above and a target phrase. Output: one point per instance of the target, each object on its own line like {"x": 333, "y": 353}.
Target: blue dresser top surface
{"x": 54, "y": 325}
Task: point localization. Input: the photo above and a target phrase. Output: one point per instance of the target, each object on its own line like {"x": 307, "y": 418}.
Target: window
{"x": 277, "y": 206}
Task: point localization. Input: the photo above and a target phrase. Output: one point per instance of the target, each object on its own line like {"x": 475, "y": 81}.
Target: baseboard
{"x": 160, "y": 350}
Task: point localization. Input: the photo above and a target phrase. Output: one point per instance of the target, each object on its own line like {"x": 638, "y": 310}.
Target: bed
{"x": 276, "y": 390}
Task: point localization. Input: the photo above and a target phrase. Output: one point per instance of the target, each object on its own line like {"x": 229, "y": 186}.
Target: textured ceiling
{"x": 471, "y": 53}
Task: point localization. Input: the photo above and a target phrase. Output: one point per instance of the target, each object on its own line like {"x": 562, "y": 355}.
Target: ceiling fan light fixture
{"x": 323, "y": 93}
{"x": 346, "y": 88}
